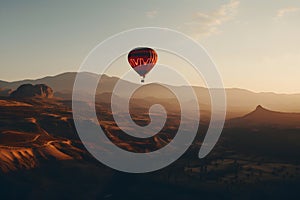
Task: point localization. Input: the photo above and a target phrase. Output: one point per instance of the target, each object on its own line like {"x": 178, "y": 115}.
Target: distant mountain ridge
{"x": 239, "y": 101}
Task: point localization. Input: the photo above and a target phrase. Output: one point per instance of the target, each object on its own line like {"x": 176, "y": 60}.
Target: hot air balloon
{"x": 142, "y": 60}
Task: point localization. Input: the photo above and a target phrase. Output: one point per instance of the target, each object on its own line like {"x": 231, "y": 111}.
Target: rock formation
{"x": 29, "y": 91}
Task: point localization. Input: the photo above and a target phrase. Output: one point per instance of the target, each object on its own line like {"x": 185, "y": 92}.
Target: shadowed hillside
{"x": 263, "y": 117}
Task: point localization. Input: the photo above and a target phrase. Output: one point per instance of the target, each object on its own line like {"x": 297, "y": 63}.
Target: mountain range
{"x": 239, "y": 101}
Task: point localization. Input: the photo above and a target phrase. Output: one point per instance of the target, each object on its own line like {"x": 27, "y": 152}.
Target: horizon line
{"x": 226, "y": 88}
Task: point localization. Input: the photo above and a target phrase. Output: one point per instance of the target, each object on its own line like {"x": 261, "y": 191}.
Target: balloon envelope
{"x": 142, "y": 60}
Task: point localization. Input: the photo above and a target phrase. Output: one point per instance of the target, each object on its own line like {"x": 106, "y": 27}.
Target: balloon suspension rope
{"x": 143, "y": 79}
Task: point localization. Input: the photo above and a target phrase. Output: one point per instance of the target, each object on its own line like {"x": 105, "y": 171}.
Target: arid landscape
{"x": 41, "y": 155}
{"x": 164, "y": 100}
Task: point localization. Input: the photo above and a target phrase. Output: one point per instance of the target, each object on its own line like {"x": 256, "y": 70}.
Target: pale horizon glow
{"x": 255, "y": 44}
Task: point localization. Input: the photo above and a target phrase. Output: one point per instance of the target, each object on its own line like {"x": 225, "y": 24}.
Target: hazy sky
{"x": 255, "y": 43}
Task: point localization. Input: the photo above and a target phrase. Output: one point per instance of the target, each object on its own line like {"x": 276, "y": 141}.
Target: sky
{"x": 255, "y": 44}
